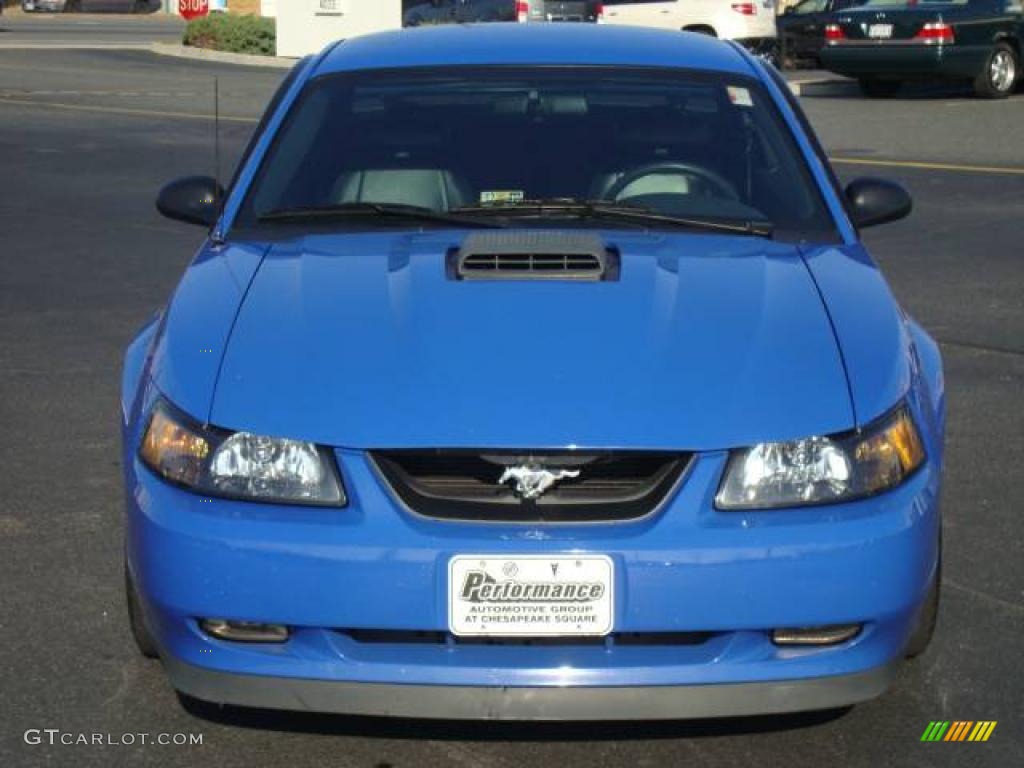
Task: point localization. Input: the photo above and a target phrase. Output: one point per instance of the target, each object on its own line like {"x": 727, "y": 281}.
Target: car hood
{"x": 363, "y": 341}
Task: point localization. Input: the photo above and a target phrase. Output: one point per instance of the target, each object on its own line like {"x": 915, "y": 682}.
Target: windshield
{"x": 477, "y": 142}
{"x": 810, "y": 6}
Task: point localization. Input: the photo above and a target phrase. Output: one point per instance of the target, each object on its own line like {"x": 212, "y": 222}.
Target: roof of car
{"x": 540, "y": 44}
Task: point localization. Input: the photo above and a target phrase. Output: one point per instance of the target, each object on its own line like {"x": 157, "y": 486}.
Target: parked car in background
{"x": 110, "y": 6}
{"x": 750, "y": 23}
{"x": 468, "y": 11}
{"x": 48, "y": 6}
{"x": 885, "y": 42}
{"x": 802, "y": 28}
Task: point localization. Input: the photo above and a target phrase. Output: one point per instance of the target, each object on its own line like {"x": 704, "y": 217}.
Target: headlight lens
{"x": 819, "y": 470}
{"x": 238, "y": 465}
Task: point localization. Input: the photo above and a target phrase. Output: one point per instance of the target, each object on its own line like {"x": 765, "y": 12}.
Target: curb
{"x": 220, "y": 57}
{"x": 825, "y": 86}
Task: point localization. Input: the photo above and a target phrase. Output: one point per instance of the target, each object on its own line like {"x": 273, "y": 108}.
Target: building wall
{"x": 245, "y": 7}
{"x": 306, "y": 26}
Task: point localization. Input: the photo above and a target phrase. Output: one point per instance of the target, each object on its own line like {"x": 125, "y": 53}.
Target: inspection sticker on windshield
{"x": 501, "y": 196}
{"x": 530, "y": 595}
{"x": 739, "y": 96}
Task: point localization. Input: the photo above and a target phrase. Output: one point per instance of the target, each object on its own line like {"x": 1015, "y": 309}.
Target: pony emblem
{"x": 532, "y": 481}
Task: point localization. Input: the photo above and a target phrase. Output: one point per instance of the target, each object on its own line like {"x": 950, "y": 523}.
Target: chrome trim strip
{"x": 887, "y": 42}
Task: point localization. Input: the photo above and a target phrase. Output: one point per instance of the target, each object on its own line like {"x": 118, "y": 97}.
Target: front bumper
{"x": 904, "y": 60}
{"x": 533, "y": 703}
{"x": 374, "y": 567}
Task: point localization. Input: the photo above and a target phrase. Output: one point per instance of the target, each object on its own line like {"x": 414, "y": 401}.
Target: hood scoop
{"x": 578, "y": 256}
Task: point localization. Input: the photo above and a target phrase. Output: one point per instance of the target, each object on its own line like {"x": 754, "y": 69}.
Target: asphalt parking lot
{"x": 87, "y": 137}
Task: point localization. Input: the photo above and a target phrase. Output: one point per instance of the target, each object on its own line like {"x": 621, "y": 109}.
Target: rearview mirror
{"x": 877, "y": 201}
{"x": 193, "y": 199}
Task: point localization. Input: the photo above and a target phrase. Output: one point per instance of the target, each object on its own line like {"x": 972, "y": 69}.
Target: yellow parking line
{"x": 123, "y": 111}
{"x": 993, "y": 169}
{"x": 929, "y": 166}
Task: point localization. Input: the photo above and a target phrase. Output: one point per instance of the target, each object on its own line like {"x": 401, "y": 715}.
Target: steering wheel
{"x": 711, "y": 179}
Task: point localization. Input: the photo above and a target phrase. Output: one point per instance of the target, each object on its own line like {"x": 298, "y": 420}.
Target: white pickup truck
{"x": 749, "y": 22}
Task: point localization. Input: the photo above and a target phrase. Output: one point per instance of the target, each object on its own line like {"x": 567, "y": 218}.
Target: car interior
{"x": 678, "y": 149}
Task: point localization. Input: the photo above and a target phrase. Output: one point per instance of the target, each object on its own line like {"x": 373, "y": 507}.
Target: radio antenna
{"x": 216, "y": 136}
{"x": 215, "y": 234}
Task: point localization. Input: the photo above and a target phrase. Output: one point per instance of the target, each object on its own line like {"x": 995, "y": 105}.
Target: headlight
{"x": 238, "y": 465}
{"x": 819, "y": 470}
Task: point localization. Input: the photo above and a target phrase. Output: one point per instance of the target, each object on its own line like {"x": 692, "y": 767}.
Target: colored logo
{"x": 958, "y": 730}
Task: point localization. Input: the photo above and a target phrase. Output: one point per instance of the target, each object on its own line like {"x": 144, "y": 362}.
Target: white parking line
{"x": 59, "y": 45}
{"x": 125, "y": 111}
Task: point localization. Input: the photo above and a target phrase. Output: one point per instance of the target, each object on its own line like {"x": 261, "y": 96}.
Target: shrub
{"x": 234, "y": 34}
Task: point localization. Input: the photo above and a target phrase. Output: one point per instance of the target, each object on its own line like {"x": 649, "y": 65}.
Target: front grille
{"x": 427, "y": 637}
{"x": 465, "y": 485}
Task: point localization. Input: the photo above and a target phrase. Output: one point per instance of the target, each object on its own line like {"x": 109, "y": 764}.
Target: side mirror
{"x": 193, "y": 199}
{"x": 877, "y": 201}
{"x": 789, "y": 11}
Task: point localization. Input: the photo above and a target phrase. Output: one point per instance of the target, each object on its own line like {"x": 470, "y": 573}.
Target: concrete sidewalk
{"x": 221, "y": 57}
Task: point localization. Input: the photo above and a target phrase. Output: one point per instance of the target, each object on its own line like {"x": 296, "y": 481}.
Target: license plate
{"x": 530, "y": 595}
{"x": 880, "y": 31}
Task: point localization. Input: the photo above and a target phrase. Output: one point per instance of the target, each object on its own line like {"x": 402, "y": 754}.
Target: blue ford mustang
{"x": 533, "y": 373}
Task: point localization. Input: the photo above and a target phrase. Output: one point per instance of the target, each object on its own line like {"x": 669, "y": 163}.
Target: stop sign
{"x": 193, "y": 9}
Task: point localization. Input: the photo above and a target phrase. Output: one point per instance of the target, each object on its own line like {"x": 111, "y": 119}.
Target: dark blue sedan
{"x": 533, "y": 373}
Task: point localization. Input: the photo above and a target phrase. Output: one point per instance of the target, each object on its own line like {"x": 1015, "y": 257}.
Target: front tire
{"x": 879, "y": 89}
{"x": 140, "y": 632}
{"x": 998, "y": 77}
{"x": 929, "y": 616}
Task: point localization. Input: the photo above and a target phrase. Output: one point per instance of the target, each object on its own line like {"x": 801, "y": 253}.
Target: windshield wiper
{"x": 600, "y": 209}
{"x": 389, "y": 210}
